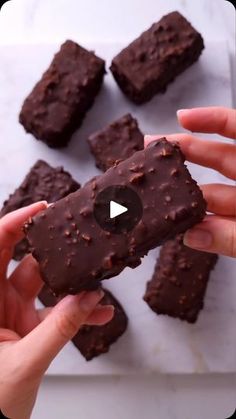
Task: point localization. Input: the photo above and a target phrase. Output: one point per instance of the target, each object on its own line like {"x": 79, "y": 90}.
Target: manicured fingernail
{"x": 198, "y": 238}
{"x": 180, "y": 112}
{"x": 148, "y": 137}
{"x": 42, "y": 202}
{"x": 107, "y": 306}
{"x": 35, "y": 204}
{"x": 90, "y": 299}
{"x": 112, "y": 308}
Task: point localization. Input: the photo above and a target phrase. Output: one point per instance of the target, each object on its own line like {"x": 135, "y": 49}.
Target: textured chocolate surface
{"x": 43, "y": 182}
{"x": 93, "y": 341}
{"x": 179, "y": 281}
{"x": 116, "y": 142}
{"x": 74, "y": 253}
{"x": 153, "y": 60}
{"x": 59, "y": 101}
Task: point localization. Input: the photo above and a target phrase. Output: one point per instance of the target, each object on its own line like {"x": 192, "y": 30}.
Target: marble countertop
{"x": 159, "y": 397}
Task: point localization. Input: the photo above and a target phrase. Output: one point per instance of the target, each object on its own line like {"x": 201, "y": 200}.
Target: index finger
{"x": 214, "y": 154}
{"x": 215, "y": 120}
{"x": 12, "y": 223}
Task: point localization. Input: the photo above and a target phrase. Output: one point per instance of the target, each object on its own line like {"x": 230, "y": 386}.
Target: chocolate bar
{"x": 75, "y": 253}
{"x": 43, "y": 182}
{"x": 179, "y": 281}
{"x": 58, "y": 103}
{"x": 116, "y": 142}
{"x": 93, "y": 341}
{"x": 157, "y": 57}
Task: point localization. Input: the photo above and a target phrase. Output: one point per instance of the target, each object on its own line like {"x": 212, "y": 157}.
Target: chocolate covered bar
{"x": 179, "y": 281}
{"x": 152, "y": 61}
{"x": 93, "y": 341}
{"x": 75, "y": 253}
{"x": 116, "y": 142}
{"x": 43, "y": 182}
{"x": 58, "y": 103}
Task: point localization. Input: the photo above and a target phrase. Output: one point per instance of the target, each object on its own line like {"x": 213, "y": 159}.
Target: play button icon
{"x": 117, "y": 209}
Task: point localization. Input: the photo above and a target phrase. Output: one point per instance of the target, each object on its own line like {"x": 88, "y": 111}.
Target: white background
{"x": 158, "y": 397}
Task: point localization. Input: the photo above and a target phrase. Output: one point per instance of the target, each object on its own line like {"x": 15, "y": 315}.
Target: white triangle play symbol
{"x": 116, "y": 209}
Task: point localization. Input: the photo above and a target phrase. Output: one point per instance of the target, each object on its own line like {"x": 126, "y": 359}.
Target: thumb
{"x": 215, "y": 234}
{"x": 41, "y": 345}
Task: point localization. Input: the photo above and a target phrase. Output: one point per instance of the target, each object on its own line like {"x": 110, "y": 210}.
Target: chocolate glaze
{"x": 152, "y": 61}
{"x": 73, "y": 250}
{"x": 43, "y": 182}
{"x": 116, "y": 142}
{"x": 93, "y": 341}
{"x": 58, "y": 103}
{"x": 179, "y": 281}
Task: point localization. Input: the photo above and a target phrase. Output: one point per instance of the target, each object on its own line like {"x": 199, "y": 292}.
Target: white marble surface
{"x": 156, "y": 397}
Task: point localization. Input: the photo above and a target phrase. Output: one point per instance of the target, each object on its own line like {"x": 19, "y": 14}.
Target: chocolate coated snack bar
{"x": 75, "y": 253}
{"x": 43, "y": 182}
{"x": 93, "y": 341}
{"x": 179, "y": 281}
{"x": 58, "y": 103}
{"x": 152, "y": 61}
{"x": 116, "y": 142}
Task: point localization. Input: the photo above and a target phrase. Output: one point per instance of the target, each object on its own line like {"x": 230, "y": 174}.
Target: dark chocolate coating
{"x": 43, "y": 182}
{"x": 58, "y": 103}
{"x": 152, "y": 61}
{"x": 116, "y": 142}
{"x": 179, "y": 281}
{"x": 75, "y": 254}
{"x": 93, "y": 341}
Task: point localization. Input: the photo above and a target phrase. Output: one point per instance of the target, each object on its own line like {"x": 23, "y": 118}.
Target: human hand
{"x": 217, "y": 232}
{"x": 30, "y": 338}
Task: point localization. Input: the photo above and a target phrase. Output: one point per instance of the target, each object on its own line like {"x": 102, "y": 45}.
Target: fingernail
{"x": 180, "y": 112}
{"x": 90, "y": 299}
{"x": 150, "y": 140}
{"x": 43, "y": 203}
{"x": 109, "y": 306}
{"x": 148, "y": 137}
{"x": 198, "y": 238}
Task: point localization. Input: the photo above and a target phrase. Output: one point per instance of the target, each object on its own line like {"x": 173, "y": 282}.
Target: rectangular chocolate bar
{"x": 179, "y": 281}
{"x": 93, "y": 341}
{"x": 43, "y": 182}
{"x": 116, "y": 142}
{"x": 75, "y": 253}
{"x": 58, "y": 103}
{"x": 152, "y": 61}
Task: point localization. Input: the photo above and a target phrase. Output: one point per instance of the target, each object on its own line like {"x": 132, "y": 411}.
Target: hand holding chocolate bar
{"x": 217, "y": 233}
{"x": 75, "y": 253}
{"x": 30, "y": 339}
